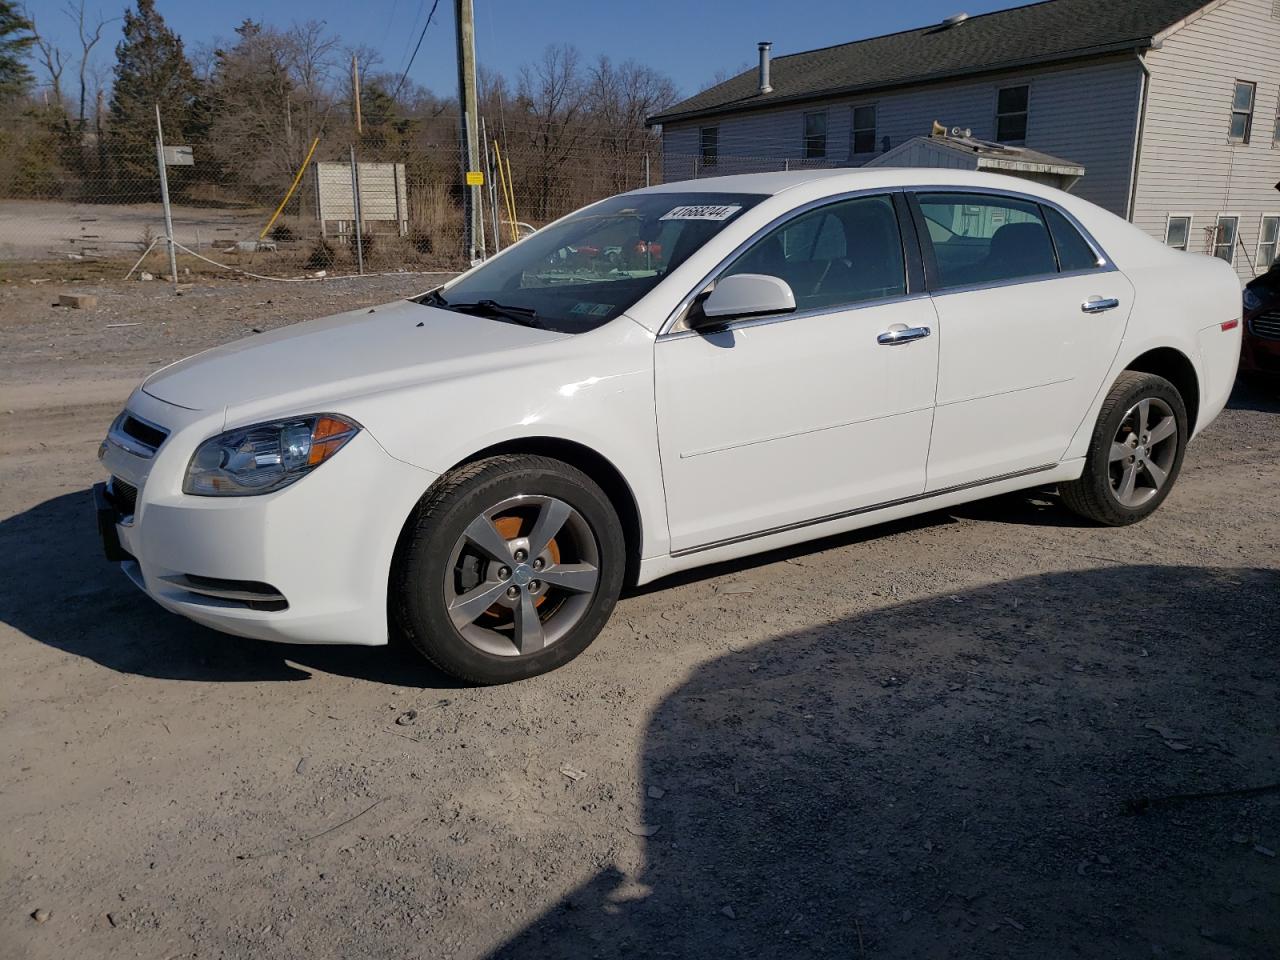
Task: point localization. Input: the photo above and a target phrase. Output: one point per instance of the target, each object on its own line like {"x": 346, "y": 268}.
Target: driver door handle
{"x": 1099, "y": 304}
{"x": 896, "y": 335}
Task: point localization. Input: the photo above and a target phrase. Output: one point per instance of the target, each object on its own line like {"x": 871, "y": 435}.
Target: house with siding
{"x": 1171, "y": 106}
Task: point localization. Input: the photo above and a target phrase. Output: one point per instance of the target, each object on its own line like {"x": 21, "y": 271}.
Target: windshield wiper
{"x": 524, "y": 316}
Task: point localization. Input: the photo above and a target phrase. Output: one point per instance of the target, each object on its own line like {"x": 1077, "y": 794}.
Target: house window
{"x": 864, "y": 129}
{"x": 815, "y": 135}
{"x": 1242, "y": 111}
{"x": 1268, "y": 242}
{"x": 1011, "y": 113}
{"x": 709, "y": 145}
{"x": 1177, "y": 232}
{"x": 1224, "y": 240}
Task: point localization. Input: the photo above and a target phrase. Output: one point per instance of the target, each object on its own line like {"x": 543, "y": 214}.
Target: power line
{"x": 405, "y": 76}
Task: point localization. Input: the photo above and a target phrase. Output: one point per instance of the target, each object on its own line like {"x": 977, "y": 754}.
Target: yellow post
{"x": 292, "y": 187}
{"x": 504, "y": 176}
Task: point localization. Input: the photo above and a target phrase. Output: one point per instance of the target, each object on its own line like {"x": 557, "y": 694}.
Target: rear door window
{"x": 978, "y": 238}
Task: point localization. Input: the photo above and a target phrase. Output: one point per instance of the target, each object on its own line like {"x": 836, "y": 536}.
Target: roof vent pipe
{"x": 954, "y": 21}
{"x": 765, "y": 86}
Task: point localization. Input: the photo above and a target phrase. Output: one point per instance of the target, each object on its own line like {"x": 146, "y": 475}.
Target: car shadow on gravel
{"x": 58, "y": 589}
{"x": 962, "y": 776}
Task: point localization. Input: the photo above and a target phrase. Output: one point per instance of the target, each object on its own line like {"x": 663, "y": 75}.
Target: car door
{"x": 779, "y": 421}
{"x": 1030, "y": 316}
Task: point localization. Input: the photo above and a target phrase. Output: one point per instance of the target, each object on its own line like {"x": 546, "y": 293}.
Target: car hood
{"x": 370, "y": 348}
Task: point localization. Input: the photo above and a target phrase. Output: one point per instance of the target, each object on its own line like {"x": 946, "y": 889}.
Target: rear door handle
{"x": 896, "y": 335}
{"x": 1099, "y": 304}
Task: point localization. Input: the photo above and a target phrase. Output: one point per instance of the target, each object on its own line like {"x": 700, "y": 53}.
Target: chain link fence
{"x": 371, "y": 206}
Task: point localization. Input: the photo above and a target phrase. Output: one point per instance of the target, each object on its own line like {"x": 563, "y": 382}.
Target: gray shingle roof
{"x": 1039, "y": 33}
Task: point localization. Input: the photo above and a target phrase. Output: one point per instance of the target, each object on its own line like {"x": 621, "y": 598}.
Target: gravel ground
{"x": 948, "y": 737}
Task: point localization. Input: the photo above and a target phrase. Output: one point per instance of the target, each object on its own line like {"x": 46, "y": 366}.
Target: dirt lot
{"x": 921, "y": 741}
{"x": 34, "y": 229}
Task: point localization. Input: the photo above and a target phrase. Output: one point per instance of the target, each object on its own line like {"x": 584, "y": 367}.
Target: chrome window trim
{"x": 1105, "y": 264}
{"x": 1103, "y": 260}
{"x": 1019, "y": 281}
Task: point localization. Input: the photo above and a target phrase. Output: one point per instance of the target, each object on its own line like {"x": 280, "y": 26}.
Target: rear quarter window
{"x": 1074, "y": 252}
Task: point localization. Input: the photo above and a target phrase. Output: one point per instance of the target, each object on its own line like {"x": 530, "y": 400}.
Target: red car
{"x": 1261, "y": 350}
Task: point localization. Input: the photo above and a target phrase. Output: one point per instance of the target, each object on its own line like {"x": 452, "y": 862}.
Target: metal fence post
{"x": 646, "y": 168}
{"x": 493, "y": 195}
{"x": 355, "y": 211}
{"x": 164, "y": 199}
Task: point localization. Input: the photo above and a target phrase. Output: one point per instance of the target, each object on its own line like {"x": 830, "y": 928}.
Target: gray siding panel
{"x": 1086, "y": 113}
{"x": 1189, "y": 166}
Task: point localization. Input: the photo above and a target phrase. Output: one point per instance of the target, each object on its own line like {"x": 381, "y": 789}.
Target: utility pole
{"x": 472, "y": 173}
{"x": 355, "y": 92}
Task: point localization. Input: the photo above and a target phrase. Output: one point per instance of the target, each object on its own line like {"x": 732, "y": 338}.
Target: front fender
{"x": 595, "y": 389}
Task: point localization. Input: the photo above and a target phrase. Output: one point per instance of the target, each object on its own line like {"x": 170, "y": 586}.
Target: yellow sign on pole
{"x": 475, "y": 178}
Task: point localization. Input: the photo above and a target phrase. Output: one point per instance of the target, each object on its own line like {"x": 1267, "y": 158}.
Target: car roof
{"x": 845, "y": 179}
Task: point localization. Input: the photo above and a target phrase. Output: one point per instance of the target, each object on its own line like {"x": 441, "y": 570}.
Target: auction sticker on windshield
{"x": 703, "y": 211}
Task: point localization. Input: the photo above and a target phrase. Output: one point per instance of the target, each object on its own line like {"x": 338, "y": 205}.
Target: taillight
{"x": 1231, "y": 324}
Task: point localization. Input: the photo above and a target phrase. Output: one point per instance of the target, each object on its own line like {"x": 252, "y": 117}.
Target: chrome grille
{"x": 1266, "y": 325}
{"x": 123, "y": 496}
{"x": 136, "y": 436}
{"x": 143, "y": 432}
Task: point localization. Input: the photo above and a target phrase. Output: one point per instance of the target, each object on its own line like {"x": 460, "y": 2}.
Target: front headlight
{"x": 1251, "y": 300}
{"x": 266, "y": 456}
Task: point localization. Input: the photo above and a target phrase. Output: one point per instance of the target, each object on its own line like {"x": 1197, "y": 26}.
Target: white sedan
{"x": 667, "y": 378}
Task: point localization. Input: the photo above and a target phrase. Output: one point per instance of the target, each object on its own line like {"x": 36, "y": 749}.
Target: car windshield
{"x": 580, "y": 273}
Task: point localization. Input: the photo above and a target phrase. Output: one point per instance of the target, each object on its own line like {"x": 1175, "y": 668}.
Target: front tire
{"x": 1135, "y": 453}
{"x": 509, "y": 568}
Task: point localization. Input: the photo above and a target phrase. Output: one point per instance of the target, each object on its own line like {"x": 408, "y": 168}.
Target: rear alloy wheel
{"x": 511, "y": 568}
{"x": 1135, "y": 454}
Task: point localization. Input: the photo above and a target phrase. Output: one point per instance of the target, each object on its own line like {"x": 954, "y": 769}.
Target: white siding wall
{"x": 1085, "y": 113}
{"x": 1188, "y": 165}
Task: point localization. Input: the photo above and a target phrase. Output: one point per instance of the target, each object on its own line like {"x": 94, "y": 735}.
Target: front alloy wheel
{"x": 509, "y": 568}
{"x": 522, "y": 575}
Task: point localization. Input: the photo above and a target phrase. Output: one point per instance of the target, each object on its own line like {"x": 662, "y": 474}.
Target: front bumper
{"x": 323, "y": 545}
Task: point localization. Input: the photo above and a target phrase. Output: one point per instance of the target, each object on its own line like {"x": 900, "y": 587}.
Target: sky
{"x": 688, "y": 41}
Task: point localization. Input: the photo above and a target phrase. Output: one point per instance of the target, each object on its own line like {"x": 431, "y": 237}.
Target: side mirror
{"x": 744, "y": 295}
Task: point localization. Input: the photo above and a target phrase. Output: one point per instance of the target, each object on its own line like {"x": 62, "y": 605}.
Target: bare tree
{"x": 552, "y": 99}
{"x": 620, "y": 99}
{"x": 312, "y": 50}
{"x": 52, "y": 59}
{"x": 89, "y": 37}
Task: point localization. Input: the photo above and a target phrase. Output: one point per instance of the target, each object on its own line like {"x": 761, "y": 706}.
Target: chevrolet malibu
{"x": 668, "y": 378}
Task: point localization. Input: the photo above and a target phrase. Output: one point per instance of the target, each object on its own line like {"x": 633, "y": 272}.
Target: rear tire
{"x": 509, "y": 568}
{"x": 1135, "y": 453}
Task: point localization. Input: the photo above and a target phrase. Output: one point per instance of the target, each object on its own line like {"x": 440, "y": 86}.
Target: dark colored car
{"x": 1261, "y": 350}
